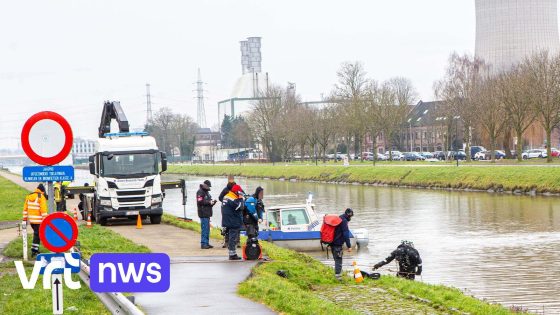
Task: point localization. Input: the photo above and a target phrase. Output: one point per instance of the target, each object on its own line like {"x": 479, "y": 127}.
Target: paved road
{"x": 203, "y": 287}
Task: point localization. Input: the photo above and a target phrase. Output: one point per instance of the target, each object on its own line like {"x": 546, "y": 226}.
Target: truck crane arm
{"x": 112, "y": 110}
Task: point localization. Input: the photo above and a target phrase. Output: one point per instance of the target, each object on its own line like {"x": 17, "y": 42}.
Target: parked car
{"x": 535, "y": 153}
{"x": 480, "y": 155}
{"x": 395, "y": 155}
{"x": 554, "y": 152}
{"x": 419, "y": 156}
{"x": 475, "y": 149}
{"x": 498, "y": 155}
{"x": 427, "y": 155}
{"x": 440, "y": 155}
{"x": 369, "y": 156}
{"x": 457, "y": 155}
{"x": 409, "y": 156}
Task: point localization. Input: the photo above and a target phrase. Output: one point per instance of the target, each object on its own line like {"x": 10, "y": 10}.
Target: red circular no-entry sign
{"x": 58, "y": 232}
{"x": 46, "y": 138}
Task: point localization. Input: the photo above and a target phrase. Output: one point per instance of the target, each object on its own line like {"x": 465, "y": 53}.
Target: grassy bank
{"x": 540, "y": 179}
{"x": 11, "y": 200}
{"x": 311, "y": 288}
{"x": 15, "y": 300}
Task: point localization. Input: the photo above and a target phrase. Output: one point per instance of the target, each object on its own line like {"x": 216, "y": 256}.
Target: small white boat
{"x": 298, "y": 227}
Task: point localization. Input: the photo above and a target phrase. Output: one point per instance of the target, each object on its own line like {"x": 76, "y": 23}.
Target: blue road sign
{"x": 58, "y": 232}
{"x": 71, "y": 261}
{"x": 48, "y": 173}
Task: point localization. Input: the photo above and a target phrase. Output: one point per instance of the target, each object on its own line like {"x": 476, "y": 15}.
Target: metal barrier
{"x": 115, "y": 302}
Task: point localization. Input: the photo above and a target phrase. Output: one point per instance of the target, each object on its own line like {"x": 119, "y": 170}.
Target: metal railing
{"x": 115, "y": 302}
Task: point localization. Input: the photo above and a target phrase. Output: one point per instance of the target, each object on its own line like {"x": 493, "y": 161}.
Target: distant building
{"x": 82, "y": 149}
{"x": 508, "y": 31}
{"x": 206, "y": 144}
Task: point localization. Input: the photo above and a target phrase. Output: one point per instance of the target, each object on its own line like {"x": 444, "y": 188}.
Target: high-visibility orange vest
{"x": 35, "y": 207}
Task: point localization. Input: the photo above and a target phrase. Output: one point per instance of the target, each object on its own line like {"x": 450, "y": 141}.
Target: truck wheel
{"x": 155, "y": 219}
{"x": 103, "y": 221}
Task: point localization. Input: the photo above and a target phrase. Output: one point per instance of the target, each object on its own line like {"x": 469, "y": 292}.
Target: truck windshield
{"x": 129, "y": 165}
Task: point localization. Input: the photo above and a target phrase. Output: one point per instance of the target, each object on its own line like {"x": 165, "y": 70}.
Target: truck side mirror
{"x": 92, "y": 164}
{"x": 163, "y": 162}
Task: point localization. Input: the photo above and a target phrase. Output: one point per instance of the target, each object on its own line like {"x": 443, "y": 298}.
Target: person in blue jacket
{"x": 232, "y": 218}
{"x": 341, "y": 236}
{"x": 254, "y": 211}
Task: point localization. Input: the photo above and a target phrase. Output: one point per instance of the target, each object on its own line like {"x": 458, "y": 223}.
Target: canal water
{"x": 502, "y": 248}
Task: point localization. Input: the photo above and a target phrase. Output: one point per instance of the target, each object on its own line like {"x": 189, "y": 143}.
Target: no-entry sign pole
{"x": 46, "y": 138}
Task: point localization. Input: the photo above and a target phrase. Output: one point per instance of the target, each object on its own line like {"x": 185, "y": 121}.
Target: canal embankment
{"x": 309, "y": 287}
{"x": 519, "y": 180}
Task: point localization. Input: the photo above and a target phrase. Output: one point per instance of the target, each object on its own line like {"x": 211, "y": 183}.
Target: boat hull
{"x": 307, "y": 241}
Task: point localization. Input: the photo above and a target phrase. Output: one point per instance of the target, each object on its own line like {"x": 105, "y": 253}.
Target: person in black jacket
{"x": 341, "y": 237}
{"x": 410, "y": 263}
{"x": 232, "y": 218}
{"x": 224, "y": 192}
{"x": 204, "y": 204}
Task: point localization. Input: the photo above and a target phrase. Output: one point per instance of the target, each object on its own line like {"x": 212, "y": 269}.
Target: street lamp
{"x": 410, "y": 133}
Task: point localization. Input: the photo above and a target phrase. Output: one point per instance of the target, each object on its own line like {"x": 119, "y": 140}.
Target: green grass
{"x": 193, "y": 226}
{"x": 541, "y": 179}
{"x": 311, "y": 288}
{"x": 92, "y": 240}
{"x": 15, "y": 300}
{"x": 12, "y": 198}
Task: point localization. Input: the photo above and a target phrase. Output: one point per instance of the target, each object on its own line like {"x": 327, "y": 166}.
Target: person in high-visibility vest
{"x": 35, "y": 210}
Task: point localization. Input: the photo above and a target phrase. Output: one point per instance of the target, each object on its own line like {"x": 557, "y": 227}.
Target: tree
{"x": 173, "y": 130}
{"x": 457, "y": 90}
{"x": 326, "y": 128}
{"x": 544, "y": 81}
{"x": 394, "y": 100}
{"x": 226, "y": 132}
{"x": 489, "y": 109}
{"x": 264, "y": 121}
{"x": 514, "y": 91}
{"x": 350, "y": 93}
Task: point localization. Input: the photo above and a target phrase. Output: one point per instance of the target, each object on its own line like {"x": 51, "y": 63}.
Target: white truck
{"x": 127, "y": 169}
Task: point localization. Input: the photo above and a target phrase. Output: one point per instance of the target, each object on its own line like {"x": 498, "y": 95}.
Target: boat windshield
{"x": 294, "y": 217}
{"x": 272, "y": 218}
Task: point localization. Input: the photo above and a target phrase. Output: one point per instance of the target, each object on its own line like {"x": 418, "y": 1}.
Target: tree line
{"x": 497, "y": 105}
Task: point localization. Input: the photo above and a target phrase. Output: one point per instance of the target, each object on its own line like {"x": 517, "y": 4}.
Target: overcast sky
{"x": 69, "y": 56}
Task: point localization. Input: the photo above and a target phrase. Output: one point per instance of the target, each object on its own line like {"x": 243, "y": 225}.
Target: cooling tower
{"x": 508, "y": 31}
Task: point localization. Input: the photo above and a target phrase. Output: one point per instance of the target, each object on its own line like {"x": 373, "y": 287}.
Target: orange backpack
{"x": 330, "y": 222}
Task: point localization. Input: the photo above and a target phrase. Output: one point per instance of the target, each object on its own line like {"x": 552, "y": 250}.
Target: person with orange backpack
{"x": 335, "y": 233}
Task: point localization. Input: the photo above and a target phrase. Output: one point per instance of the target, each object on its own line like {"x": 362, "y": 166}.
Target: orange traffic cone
{"x": 75, "y": 214}
{"x": 139, "y": 222}
{"x": 357, "y": 273}
{"x": 88, "y": 223}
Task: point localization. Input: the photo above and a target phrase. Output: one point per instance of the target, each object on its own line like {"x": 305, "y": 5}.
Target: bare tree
{"x": 489, "y": 109}
{"x": 514, "y": 91}
{"x": 326, "y": 128}
{"x": 544, "y": 80}
{"x": 394, "y": 100}
{"x": 350, "y": 92}
{"x": 457, "y": 90}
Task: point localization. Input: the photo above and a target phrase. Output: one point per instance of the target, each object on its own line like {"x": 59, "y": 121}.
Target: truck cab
{"x": 127, "y": 171}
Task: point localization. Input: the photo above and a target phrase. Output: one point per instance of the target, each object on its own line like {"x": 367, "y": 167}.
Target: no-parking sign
{"x": 58, "y": 232}
{"x": 46, "y": 138}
